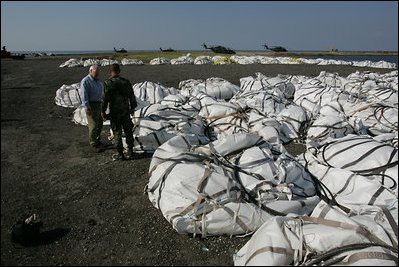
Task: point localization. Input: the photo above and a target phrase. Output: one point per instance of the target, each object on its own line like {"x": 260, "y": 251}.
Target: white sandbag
{"x": 107, "y": 62}
{"x": 262, "y": 83}
{"x": 310, "y": 240}
{"x": 215, "y": 87}
{"x": 68, "y": 96}
{"x": 244, "y": 60}
{"x": 292, "y": 118}
{"x": 147, "y": 93}
{"x": 218, "y": 207}
{"x": 90, "y": 62}
{"x": 155, "y": 124}
{"x": 160, "y": 61}
{"x": 263, "y": 101}
{"x": 331, "y": 79}
{"x": 175, "y": 100}
{"x": 131, "y": 61}
{"x": 377, "y": 118}
{"x": 73, "y": 62}
{"x": 326, "y": 128}
{"x": 313, "y": 94}
{"x": 362, "y": 155}
{"x": 182, "y": 60}
{"x": 203, "y": 60}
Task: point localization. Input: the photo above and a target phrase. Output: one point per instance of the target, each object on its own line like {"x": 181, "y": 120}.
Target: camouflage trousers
{"x": 95, "y": 123}
{"x": 125, "y": 123}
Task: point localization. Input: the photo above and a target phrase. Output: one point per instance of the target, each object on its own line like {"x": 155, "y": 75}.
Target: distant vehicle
{"x": 6, "y": 54}
{"x": 219, "y": 49}
{"x": 122, "y": 50}
{"x": 332, "y": 49}
{"x": 275, "y": 48}
{"x": 167, "y": 50}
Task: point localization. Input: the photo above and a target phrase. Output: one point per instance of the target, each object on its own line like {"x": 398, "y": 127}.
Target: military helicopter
{"x": 167, "y": 50}
{"x": 275, "y": 48}
{"x": 219, "y": 49}
{"x": 122, "y": 50}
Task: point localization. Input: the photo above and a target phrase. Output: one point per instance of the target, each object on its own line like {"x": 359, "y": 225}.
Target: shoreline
{"x": 154, "y": 54}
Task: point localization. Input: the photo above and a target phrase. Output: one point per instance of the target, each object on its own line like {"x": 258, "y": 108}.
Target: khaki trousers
{"x": 95, "y": 123}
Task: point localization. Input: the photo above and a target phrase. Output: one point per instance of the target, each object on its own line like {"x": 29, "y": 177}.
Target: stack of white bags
{"x": 220, "y": 164}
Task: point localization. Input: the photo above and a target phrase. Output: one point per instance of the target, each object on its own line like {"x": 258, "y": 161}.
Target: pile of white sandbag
{"x": 326, "y": 237}
{"x": 244, "y": 60}
{"x": 220, "y": 166}
{"x": 91, "y": 62}
{"x": 160, "y": 61}
{"x": 355, "y": 223}
{"x": 73, "y": 62}
{"x": 157, "y": 123}
{"x": 182, "y": 60}
{"x": 99, "y": 62}
{"x": 131, "y": 61}
{"x": 107, "y": 62}
{"x": 228, "y": 187}
{"x": 201, "y": 60}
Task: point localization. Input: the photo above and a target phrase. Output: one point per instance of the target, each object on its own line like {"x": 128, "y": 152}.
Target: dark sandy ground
{"x": 94, "y": 210}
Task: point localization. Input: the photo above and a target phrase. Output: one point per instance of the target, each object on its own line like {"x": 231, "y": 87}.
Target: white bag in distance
{"x": 327, "y": 239}
{"x": 203, "y": 60}
{"x": 90, "y": 62}
{"x": 215, "y": 87}
{"x": 160, "y": 61}
{"x": 108, "y": 62}
{"x": 199, "y": 191}
{"x": 68, "y": 96}
{"x": 131, "y": 61}
{"x": 73, "y": 62}
{"x": 182, "y": 60}
{"x": 147, "y": 93}
{"x": 244, "y": 60}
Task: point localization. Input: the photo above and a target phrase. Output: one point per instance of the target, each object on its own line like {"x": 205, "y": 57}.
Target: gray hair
{"x": 93, "y": 68}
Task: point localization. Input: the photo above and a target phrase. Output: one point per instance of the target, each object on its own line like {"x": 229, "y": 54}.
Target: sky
{"x": 241, "y": 25}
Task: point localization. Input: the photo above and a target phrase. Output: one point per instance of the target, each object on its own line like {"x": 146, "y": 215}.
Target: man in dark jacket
{"x": 118, "y": 93}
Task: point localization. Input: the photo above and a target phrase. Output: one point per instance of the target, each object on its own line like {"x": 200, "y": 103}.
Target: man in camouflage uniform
{"x": 118, "y": 93}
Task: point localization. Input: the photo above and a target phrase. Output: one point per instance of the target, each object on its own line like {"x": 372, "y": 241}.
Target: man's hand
{"x": 88, "y": 112}
{"x": 132, "y": 113}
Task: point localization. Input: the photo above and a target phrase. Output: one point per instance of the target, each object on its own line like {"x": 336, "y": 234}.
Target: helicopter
{"x": 167, "y": 50}
{"x": 219, "y": 49}
{"x": 122, "y": 50}
{"x": 275, "y": 48}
